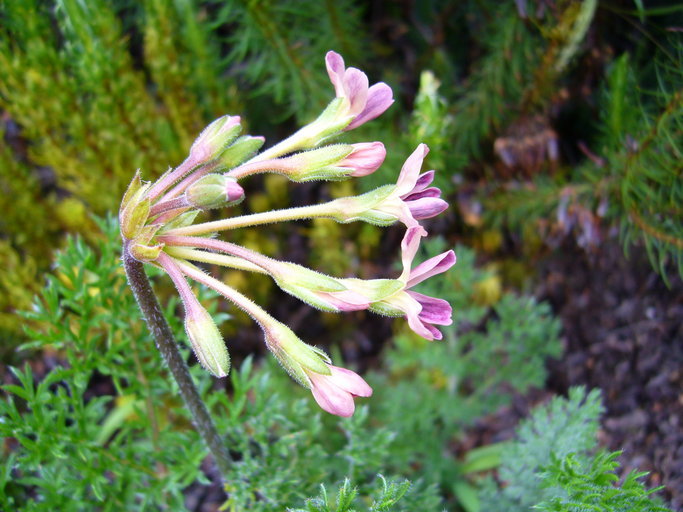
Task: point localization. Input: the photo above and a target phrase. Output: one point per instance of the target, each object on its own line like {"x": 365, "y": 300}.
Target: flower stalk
{"x": 168, "y": 347}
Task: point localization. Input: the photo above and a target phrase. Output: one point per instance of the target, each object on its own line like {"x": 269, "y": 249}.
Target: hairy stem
{"x": 167, "y": 345}
{"x": 256, "y": 219}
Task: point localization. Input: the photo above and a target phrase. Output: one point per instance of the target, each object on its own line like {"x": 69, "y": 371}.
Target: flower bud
{"x": 240, "y": 151}
{"x": 214, "y": 191}
{"x": 207, "y": 342}
{"x": 336, "y": 162}
{"x": 215, "y": 139}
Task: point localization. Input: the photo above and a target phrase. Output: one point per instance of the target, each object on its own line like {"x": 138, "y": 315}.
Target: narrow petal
{"x": 424, "y": 181}
{"x": 428, "y": 192}
{"x": 431, "y": 267}
{"x": 335, "y": 69}
{"x": 409, "y": 246}
{"x": 380, "y": 98}
{"x": 411, "y": 170}
{"x": 425, "y": 330}
{"x": 434, "y": 311}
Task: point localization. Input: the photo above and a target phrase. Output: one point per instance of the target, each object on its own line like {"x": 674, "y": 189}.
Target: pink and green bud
{"x": 335, "y": 392}
{"x": 206, "y": 339}
{"x": 318, "y": 290}
{"x": 333, "y": 388}
{"x": 336, "y": 162}
{"x": 215, "y": 139}
{"x": 361, "y": 103}
{"x": 214, "y": 191}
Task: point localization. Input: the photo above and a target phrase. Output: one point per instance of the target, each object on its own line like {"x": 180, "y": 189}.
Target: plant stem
{"x": 167, "y": 345}
{"x": 256, "y": 219}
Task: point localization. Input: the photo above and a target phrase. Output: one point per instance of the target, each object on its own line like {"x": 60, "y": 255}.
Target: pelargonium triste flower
{"x": 158, "y": 226}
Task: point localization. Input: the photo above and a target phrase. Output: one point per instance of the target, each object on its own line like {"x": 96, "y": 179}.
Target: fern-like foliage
{"x": 274, "y": 44}
{"x": 551, "y": 465}
{"x": 105, "y": 430}
{"x": 385, "y": 500}
{"x": 435, "y": 390}
{"x": 594, "y": 486}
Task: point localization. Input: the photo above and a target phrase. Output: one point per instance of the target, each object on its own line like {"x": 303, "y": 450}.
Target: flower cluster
{"x": 158, "y": 227}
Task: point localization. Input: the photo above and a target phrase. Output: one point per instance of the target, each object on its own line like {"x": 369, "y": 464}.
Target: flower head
{"x": 158, "y": 226}
{"x": 363, "y": 103}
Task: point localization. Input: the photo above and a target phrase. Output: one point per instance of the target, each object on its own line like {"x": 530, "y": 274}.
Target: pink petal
{"x": 365, "y": 158}
{"x": 434, "y": 311}
{"x": 427, "y": 192}
{"x": 332, "y": 399}
{"x": 335, "y": 69}
{"x": 380, "y": 98}
{"x": 334, "y": 393}
{"x": 431, "y": 267}
{"x": 425, "y": 330}
{"x": 411, "y": 170}
{"x": 409, "y": 246}
{"x": 356, "y": 89}
{"x": 427, "y": 207}
{"x": 424, "y": 181}
{"x": 349, "y": 381}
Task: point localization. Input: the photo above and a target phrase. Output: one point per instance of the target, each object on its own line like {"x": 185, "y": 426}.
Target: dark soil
{"x": 623, "y": 329}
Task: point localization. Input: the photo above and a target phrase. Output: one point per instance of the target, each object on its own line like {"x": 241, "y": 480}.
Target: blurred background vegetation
{"x": 547, "y": 120}
{"x": 555, "y": 127}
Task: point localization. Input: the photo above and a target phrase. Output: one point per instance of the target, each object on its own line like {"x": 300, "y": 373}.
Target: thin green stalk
{"x": 167, "y": 345}
{"x": 255, "y": 219}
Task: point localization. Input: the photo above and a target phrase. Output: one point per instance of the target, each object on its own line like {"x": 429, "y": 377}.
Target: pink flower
{"x": 421, "y": 311}
{"x": 334, "y": 393}
{"x": 364, "y": 103}
{"x": 365, "y": 158}
{"x": 410, "y": 200}
{"x": 419, "y": 199}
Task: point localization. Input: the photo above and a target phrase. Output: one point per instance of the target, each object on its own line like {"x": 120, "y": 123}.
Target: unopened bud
{"x": 215, "y": 138}
{"x": 239, "y": 151}
{"x": 214, "y": 191}
{"x": 336, "y": 162}
{"x": 207, "y": 342}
